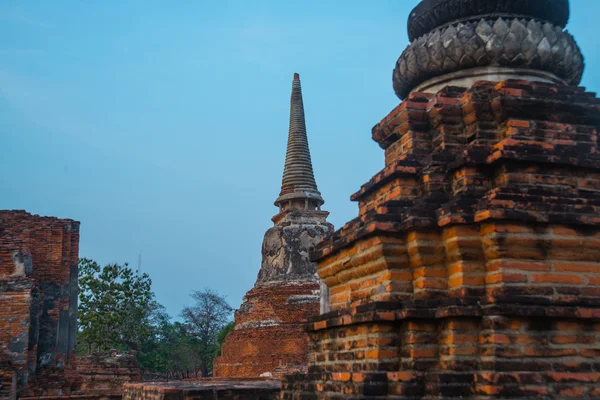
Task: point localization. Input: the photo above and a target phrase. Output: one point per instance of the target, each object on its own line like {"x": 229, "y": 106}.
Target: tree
{"x": 117, "y": 310}
{"x": 203, "y": 321}
{"x": 116, "y": 307}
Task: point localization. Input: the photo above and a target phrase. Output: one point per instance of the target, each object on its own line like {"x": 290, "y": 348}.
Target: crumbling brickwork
{"x": 38, "y": 289}
{"x": 473, "y": 270}
{"x": 104, "y": 374}
{"x": 38, "y": 310}
{"x": 270, "y": 336}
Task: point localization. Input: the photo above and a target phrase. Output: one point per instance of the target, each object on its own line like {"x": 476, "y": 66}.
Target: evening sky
{"x": 162, "y": 125}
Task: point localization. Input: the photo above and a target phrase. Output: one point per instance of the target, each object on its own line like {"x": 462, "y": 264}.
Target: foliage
{"x": 203, "y": 321}
{"x": 118, "y": 310}
{"x": 116, "y": 307}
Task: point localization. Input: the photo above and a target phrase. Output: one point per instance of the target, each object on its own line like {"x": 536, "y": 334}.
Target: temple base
{"x": 270, "y": 338}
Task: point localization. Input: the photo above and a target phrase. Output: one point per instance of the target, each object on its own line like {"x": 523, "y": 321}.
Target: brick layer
{"x": 481, "y": 356}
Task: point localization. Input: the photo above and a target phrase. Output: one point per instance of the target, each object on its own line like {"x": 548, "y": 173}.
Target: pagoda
{"x": 270, "y": 338}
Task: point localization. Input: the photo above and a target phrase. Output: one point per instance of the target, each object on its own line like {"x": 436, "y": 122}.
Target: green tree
{"x": 116, "y": 307}
{"x": 203, "y": 321}
{"x": 117, "y": 310}
{"x": 151, "y": 353}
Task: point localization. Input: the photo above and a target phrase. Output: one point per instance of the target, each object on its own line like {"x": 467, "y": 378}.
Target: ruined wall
{"x": 269, "y": 335}
{"x": 205, "y": 389}
{"x": 38, "y": 296}
{"x": 473, "y": 269}
{"x": 104, "y": 374}
{"x": 15, "y": 309}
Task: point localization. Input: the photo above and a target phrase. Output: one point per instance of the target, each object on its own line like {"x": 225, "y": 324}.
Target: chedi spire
{"x": 458, "y": 42}
{"x": 298, "y": 187}
{"x": 269, "y": 336}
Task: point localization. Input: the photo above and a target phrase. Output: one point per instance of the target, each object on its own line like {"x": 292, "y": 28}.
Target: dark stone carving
{"x": 500, "y": 42}
{"x": 286, "y": 247}
{"x": 430, "y": 14}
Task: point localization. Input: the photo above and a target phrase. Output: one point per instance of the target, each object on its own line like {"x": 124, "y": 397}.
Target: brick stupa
{"x": 270, "y": 337}
{"x": 473, "y": 268}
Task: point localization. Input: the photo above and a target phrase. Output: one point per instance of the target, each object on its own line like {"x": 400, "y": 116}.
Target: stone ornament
{"x": 499, "y": 42}
{"x": 430, "y": 14}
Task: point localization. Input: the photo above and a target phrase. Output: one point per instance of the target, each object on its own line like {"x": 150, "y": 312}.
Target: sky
{"x": 162, "y": 126}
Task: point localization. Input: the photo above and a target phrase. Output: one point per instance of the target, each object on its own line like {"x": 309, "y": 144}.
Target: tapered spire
{"x": 298, "y": 187}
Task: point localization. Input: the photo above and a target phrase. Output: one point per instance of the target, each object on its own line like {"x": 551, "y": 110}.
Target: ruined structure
{"x": 204, "y": 389}
{"x": 269, "y": 337}
{"x": 473, "y": 268}
{"x": 38, "y": 301}
{"x": 38, "y": 315}
{"x": 102, "y": 375}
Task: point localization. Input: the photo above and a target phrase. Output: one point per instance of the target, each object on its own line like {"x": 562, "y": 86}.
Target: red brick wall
{"x": 15, "y": 301}
{"x": 490, "y": 356}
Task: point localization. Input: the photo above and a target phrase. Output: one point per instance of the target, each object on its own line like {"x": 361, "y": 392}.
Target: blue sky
{"x": 162, "y": 126}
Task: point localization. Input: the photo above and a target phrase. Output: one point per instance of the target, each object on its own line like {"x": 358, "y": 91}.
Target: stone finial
{"x": 458, "y": 42}
{"x": 298, "y": 188}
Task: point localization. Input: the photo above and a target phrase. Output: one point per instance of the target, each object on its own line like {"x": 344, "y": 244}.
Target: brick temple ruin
{"x": 269, "y": 337}
{"x": 38, "y": 309}
{"x": 473, "y": 268}
{"x": 38, "y": 301}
